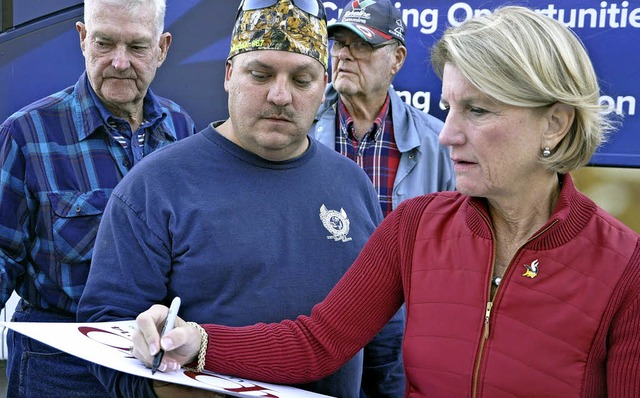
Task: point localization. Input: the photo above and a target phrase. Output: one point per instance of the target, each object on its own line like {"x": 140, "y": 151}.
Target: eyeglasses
{"x": 358, "y": 49}
{"x": 312, "y": 7}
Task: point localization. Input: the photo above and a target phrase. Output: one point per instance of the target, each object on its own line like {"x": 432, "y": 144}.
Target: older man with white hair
{"x": 60, "y": 159}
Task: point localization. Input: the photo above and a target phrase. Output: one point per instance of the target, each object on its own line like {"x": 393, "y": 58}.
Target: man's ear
{"x": 228, "y": 70}
{"x": 165, "y": 43}
{"x": 559, "y": 118}
{"x": 82, "y": 34}
{"x": 324, "y": 87}
{"x": 400, "y": 55}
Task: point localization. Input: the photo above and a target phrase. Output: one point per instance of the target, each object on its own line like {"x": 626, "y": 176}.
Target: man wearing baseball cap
{"x": 363, "y": 118}
{"x": 249, "y": 221}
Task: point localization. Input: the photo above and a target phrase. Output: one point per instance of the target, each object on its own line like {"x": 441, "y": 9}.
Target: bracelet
{"x": 204, "y": 339}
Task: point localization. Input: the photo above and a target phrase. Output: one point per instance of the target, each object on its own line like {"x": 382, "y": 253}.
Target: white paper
{"x": 107, "y": 344}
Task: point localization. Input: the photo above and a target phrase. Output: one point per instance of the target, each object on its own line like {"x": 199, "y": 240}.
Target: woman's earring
{"x": 546, "y": 152}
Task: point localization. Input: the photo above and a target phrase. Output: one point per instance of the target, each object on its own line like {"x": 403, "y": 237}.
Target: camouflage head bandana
{"x": 283, "y": 27}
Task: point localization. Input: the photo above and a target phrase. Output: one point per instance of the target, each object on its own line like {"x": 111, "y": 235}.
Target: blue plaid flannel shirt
{"x": 59, "y": 162}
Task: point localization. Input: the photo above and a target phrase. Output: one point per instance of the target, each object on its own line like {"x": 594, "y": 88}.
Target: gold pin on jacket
{"x": 532, "y": 270}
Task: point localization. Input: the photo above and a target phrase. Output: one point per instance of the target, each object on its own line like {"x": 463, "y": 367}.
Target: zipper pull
{"x": 487, "y": 315}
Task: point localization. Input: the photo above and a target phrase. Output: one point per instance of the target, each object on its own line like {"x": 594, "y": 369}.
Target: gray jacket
{"x": 425, "y": 165}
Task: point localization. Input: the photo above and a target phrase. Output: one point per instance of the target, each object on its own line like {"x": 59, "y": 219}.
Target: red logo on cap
{"x": 366, "y": 3}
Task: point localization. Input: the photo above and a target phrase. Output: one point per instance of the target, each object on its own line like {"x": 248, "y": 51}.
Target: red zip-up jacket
{"x": 565, "y": 321}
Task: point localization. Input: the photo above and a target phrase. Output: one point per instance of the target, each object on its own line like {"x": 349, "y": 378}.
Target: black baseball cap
{"x": 375, "y": 21}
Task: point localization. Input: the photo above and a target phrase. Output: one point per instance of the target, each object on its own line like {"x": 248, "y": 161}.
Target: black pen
{"x": 168, "y": 326}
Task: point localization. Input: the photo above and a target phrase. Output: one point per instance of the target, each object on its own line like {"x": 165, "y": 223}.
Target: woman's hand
{"x": 180, "y": 345}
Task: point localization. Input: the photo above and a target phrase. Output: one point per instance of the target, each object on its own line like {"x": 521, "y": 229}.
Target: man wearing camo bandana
{"x": 253, "y": 221}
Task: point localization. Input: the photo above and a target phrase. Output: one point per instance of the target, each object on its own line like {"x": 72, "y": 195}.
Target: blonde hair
{"x": 523, "y": 58}
{"x": 159, "y": 8}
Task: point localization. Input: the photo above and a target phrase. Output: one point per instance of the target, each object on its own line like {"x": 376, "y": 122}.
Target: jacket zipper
{"x": 489, "y": 306}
